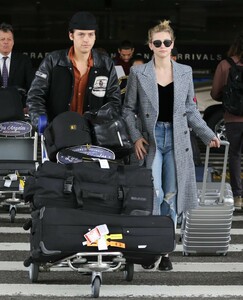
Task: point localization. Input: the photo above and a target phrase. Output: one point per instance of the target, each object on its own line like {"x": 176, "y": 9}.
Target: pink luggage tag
{"x": 95, "y": 234}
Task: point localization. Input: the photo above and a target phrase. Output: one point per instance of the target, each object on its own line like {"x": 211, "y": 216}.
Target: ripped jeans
{"x": 164, "y": 173}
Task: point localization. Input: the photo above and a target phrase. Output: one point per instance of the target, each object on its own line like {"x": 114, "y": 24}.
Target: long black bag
{"x": 120, "y": 189}
{"x": 57, "y": 233}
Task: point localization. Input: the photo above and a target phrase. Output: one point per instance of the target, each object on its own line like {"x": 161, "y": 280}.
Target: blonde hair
{"x": 162, "y": 26}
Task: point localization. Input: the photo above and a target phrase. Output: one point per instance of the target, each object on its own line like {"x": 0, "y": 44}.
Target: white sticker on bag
{"x": 104, "y": 164}
{"x": 40, "y": 74}
{"x": 99, "y": 87}
{"x": 102, "y": 244}
{"x": 13, "y": 176}
{"x": 7, "y": 183}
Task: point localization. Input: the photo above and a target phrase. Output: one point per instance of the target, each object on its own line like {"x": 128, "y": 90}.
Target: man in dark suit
{"x": 16, "y": 68}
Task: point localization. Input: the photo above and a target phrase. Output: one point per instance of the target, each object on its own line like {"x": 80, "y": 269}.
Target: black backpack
{"x": 66, "y": 130}
{"x": 233, "y": 90}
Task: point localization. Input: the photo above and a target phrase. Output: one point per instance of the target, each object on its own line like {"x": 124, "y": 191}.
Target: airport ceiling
{"x": 121, "y": 5}
{"x": 200, "y": 20}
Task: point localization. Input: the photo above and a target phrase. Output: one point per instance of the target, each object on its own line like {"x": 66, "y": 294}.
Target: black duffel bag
{"x": 81, "y": 185}
{"x": 51, "y": 186}
{"x": 119, "y": 189}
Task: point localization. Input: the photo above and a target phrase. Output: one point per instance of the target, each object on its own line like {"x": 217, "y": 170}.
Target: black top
{"x": 166, "y": 101}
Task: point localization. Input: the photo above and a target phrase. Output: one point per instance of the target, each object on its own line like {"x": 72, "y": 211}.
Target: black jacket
{"x": 21, "y": 72}
{"x": 52, "y": 88}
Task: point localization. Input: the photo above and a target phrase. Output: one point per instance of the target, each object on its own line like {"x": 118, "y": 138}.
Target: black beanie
{"x": 83, "y": 20}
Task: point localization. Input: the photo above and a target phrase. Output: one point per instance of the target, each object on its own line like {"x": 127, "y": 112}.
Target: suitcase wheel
{"x": 95, "y": 287}
{"x": 128, "y": 272}
{"x": 12, "y": 214}
{"x": 33, "y": 272}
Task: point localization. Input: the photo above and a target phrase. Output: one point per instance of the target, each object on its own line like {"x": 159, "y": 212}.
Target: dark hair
{"x": 138, "y": 57}
{"x": 236, "y": 49}
{"x": 6, "y": 27}
{"x": 126, "y": 45}
{"x": 174, "y": 52}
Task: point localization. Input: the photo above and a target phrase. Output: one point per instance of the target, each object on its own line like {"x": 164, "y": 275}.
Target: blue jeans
{"x": 164, "y": 172}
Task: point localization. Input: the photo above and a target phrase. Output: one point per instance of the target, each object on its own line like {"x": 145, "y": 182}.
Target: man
{"x": 233, "y": 121}
{"x": 77, "y": 79}
{"x": 125, "y": 51}
{"x": 138, "y": 60}
{"x": 174, "y": 54}
{"x": 18, "y": 67}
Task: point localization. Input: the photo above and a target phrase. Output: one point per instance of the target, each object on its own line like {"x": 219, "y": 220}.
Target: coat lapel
{"x": 148, "y": 82}
{"x": 178, "y": 84}
{"x": 13, "y": 66}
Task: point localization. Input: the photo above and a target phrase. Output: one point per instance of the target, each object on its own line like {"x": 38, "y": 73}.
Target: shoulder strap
{"x": 75, "y": 154}
{"x": 230, "y": 61}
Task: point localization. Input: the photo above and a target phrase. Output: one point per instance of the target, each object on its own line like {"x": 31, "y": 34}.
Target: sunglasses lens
{"x": 157, "y": 43}
{"x": 167, "y": 43}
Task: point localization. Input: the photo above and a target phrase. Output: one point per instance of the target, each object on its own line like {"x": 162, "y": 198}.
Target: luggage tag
{"x": 107, "y": 240}
{"x": 9, "y": 178}
{"x": 95, "y": 234}
{"x": 104, "y": 164}
{"x": 102, "y": 244}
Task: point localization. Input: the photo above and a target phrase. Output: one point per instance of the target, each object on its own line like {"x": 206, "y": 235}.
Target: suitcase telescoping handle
{"x": 223, "y": 178}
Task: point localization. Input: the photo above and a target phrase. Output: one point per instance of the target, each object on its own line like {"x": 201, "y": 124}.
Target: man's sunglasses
{"x": 158, "y": 43}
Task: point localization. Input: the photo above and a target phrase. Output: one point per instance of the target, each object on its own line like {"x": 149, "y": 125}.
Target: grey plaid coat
{"x": 142, "y": 99}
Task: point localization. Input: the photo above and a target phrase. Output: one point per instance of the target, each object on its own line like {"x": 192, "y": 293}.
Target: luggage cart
{"x": 18, "y": 157}
{"x": 43, "y": 258}
{"x": 93, "y": 263}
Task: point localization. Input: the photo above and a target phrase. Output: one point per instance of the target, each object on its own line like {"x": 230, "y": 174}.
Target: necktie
{"x": 5, "y": 72}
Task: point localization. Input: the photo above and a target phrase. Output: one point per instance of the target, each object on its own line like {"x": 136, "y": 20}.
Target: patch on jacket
{"x": 99, "y": 87}
{"x": 40, "y": 74}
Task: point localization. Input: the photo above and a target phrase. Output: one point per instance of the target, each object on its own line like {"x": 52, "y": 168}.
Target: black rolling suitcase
{"x": 58, "y": 233}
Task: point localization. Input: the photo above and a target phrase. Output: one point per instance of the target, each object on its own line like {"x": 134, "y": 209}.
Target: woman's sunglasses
{"x": 158, "y": 43}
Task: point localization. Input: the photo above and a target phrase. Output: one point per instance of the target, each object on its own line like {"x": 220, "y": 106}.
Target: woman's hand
{"x": 140, "y": 150}
{"x": 215, "y": 143}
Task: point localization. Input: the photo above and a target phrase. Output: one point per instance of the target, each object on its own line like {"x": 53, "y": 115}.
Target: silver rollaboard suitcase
{"x": 207, "y": 227}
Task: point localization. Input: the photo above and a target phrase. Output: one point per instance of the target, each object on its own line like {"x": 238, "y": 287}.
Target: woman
{"x": 161, "y": 93}
{"x": 233, "y": 123}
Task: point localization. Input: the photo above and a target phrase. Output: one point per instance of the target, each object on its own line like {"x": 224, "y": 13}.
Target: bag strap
{"x": 83, "y": 156}
{"x": 75, "y": 154}
{"x": 68, "y": 182}
{"x": 231, "y": 61}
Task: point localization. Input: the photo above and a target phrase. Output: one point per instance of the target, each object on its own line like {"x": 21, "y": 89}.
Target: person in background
{"x": 124, "y": 57}
{"x": 174, "y": 53}
{"x": 161, "y": 92}
{"x": 18, "y": 68}
{"x": 79, "y": 79}
{"x": 233, "y": 123}
{"x": 138, "y": 60}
